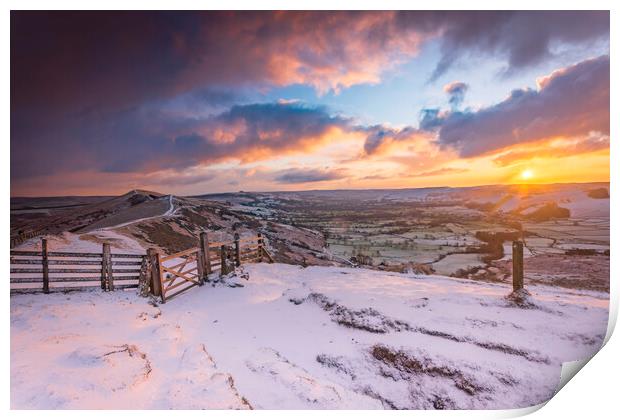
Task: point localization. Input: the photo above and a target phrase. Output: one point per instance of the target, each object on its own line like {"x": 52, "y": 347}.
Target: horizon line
{"x": 315, "y": 189}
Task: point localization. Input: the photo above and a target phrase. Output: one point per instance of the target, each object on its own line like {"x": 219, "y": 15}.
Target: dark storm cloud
{"x": 303, "y": 176}
{"x": 571, "y": 102}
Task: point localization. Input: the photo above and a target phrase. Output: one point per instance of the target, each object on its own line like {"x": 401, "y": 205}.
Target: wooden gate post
{"x": 155, "y": 279}
{"x": 144, "y": 281}
{"x": 204, "y": 250}
{"x": 103, "y": 270}
{"x": 260, "y": 248}
{"x": 517, "y": 265}
{"x": 237, "y": 252}
{"x": 200, "y": 268}
{"x": 106, "y": 264}
{"x": 223, "y": 261}
{"x": 46, "y": 270}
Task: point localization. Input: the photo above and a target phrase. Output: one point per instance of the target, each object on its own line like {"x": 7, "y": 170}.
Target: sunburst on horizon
{"x": 527, "y": 174}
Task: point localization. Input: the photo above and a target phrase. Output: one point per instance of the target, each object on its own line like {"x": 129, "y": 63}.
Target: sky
{"x": 202, "y": 102}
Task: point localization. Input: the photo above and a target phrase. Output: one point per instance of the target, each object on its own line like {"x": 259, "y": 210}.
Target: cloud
{"x": 456, "y": 93}
{"x": 375, "y": 177}
{"x": 570, "y": 102}
{"x": 441, "y": 171}
{"x": 106, "y": 58}
{"x": 123, "y": 58}
{"x": 244, "y": 132}
{"x": 148, "y": 91}
{"x": 304, "y": 176}
{"x": 522, "y": 38}
{"x": 381, "y": 136}
{"x": 432, "y": 118}
{"x": 149, "y": 140}
{"x": 555, "y": 149}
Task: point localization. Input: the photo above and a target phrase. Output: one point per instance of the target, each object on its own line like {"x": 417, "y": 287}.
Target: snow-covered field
{"x": 451, "y": 263}
{"x": 319, "y": 337}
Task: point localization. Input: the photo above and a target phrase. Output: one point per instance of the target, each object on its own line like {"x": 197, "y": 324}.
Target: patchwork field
{"x": 463, "y": 232}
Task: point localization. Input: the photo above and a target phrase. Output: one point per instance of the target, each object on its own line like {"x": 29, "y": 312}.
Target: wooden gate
{"x": 173, "y": 274}
{"x": 180, "y": 272}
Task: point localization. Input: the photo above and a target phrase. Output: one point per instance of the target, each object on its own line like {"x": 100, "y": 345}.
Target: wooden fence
{"x": 61, "y": 271}
{"x": 163, "y": 276}
{"x": 173, "y": 274}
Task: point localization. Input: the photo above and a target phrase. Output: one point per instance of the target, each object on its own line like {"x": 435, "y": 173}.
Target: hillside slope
{"x": 85, "y": 216}
{"x": 320, "y": 337}
{"x": 171, "y": 224}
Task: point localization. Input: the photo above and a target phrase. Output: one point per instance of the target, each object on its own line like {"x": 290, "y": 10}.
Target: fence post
{"x": 517, "y": 265}
{"x": 103, "y": 269}
{"x": 260, "y": 247}
{"x": 46, "y": 270}
{"x": 155, "y": 280}
{"x": 204, "y": 250}
{"x": 106, "y": 263}
{"x": 200, "y": 267}
{"x": 144, "y": 285}
{"x": 237, "y": 251}
{"x": 223, "y": 260}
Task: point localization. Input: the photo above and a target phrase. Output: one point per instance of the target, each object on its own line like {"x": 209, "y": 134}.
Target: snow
{"x": 319, "y": 337}
{"x": 89, "y": 242}
{"x": 581, "y": 206}
{"x": 453, "y": 262}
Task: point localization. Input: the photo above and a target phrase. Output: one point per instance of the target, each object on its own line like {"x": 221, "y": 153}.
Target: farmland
{"x": 464, "y": 232}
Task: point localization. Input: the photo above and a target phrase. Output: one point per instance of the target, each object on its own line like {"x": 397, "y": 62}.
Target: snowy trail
{"x": 170, "y": 212}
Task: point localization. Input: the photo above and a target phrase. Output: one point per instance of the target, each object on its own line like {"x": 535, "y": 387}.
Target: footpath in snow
{"x": 319, "y": 337}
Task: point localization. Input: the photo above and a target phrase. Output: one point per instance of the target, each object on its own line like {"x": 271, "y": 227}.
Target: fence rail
{"x": 77, "y": 270}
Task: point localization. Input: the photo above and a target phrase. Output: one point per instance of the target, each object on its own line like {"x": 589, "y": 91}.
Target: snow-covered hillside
{"x": 319, "y": 337}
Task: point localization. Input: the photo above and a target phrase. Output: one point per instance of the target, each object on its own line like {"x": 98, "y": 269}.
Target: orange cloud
{"x": 554, "y": 148}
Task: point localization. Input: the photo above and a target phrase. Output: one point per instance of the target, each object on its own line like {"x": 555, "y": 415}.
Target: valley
{"x": 458, "y": 232}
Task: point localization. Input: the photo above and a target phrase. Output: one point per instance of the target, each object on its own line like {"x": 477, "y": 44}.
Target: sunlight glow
{"x": 527, "y": 174}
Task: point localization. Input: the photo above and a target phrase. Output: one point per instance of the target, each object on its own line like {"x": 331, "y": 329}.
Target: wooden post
{"x": 160, "y": 278}
{"x": 46, "y": 269}
{"x": 200, "y": 267}
{"x": 106, "y": 263}
{"x": 260, "y": 248}
{"x": 155, "y": 279}
{"x": 104, "y": 270}
{"x": 517, "y": 265}
{"x": 145, "y": 277}
{"x": 237, "y": 253}
{"x": 204, "y": 250}
{"x": 223, "y": 261}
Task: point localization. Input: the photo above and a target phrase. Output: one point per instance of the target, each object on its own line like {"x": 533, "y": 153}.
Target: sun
{"x": 527, "y": 174}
